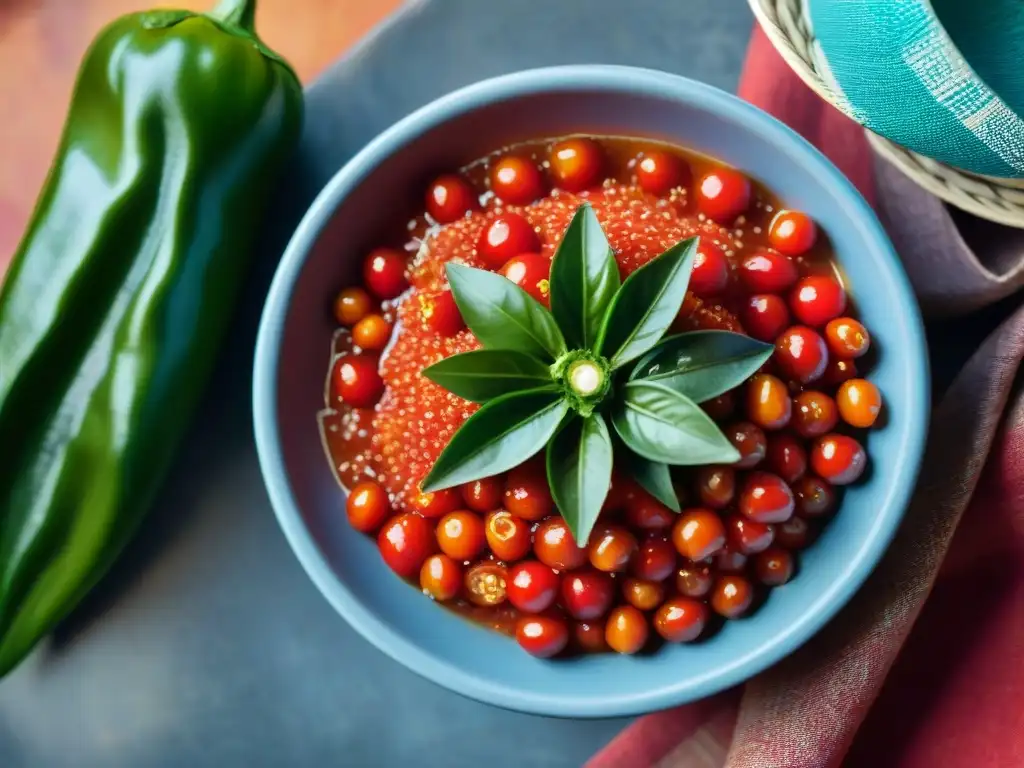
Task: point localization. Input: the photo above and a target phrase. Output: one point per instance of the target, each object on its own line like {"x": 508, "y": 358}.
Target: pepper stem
{"x": 241, "y": 13}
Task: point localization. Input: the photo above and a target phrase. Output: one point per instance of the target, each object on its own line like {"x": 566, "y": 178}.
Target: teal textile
{"x": 944, "y": 78}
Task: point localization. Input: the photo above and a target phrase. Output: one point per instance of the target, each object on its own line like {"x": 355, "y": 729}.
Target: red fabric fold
{"x": 868, "y": 691}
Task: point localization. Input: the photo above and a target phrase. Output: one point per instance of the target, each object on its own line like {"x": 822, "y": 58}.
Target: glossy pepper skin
{"x": 119, "y": 295}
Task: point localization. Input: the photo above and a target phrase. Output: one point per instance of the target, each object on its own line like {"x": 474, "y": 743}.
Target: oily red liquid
{"x": 348, "y": 433}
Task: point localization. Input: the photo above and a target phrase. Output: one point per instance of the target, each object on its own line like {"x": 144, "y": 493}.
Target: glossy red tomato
{"x": 435, "y": 504}
{"x": 716, "y": 486}
{"x": 576, "y": 164}
{"x": 723, "y": 194}
{"x": 750, "y": 441}
{"x": 516, "y": 180}
{"x": 764, "y": 316}
{"x": 730, "y": 560}
{"x": 859, "y": 402}
{"x": 655, "y": 560}
{"x": 405, "y": 541}
{"x": 766, "y": 498}
{"x": 681, "y": 619}
{"x": 774, "y": 567}
{"x": 611, "y": 547}
{"x": 450, "y": 198}
{"x": 506, "y": 236}
{"x": 626, "y": 630}
{"x": 792, "y": 232}
{"x": 351, "y": 306}
{"x": 483, "y": 495}
{"x": 530, "y": 271}
{"x": 367, "y": 506}
{"x": 710, "y": 274}
{"x": 357, "y": 381}
{"x": 801, "y": 354}
{"x": 384, "y": 273}
{"x": 527, "y": 494}
{"x": 645, "y": 512}
{"x": 722, "y": 407}
{"x": 768, "y": 271}
{"x": 554, "y": 545}
{"x": 441, "y": 577}
{"x": 815, "y": 413}
{"x": 587, "y": 594}
{"x": 814, "y": 497}
{"x": 589, "y": 636}
{"x": 461, "y": 535}
{"x": 441, "y": 314}
{"x": 732, "y": 596}
{"x": 786, "y": 457}
{"x": 768, "y": 402}
{"x": 660, "y": 172}
{"x": 837, "y": 371}
{"x": 839, "y": 459}
{"x": 847, "y": 337}
{"x": 748, "y": 536}
{"x": 542, "y": 636}
{"x": 645, "y": 595}
{"x": 817, "y": 299}
{"x": 698, "y": 533}
{"x": 532, "y": 586}
{"x": 795, "y": 533}
{"x": 508, "y": 536}
{"x": 371, "y": 333}
{"x": 693, "y": 580}
{"x": 486, "y": 584}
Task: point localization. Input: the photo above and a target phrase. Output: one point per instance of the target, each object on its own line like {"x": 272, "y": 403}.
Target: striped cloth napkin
{"x": 925, "y": 667}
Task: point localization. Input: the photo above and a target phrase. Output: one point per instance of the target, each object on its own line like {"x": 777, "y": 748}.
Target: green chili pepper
{"x": 119, "y": 296}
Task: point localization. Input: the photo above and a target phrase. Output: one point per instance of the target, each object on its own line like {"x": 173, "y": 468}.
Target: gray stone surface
{"x": 207, "y": 645}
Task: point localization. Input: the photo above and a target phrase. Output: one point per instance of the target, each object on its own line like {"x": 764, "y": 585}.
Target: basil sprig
{"x": 558, "y": 379}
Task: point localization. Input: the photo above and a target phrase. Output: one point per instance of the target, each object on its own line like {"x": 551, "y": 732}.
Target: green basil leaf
{"x": 503, "y": 434}
{"x": 584, "y": 279}
{"x": 662, "y": 425}
{"x": 502, "y": 315}
{"x": 485, "y": 374}
{"x": 653, "y": 476}
{"x": 646, "y": 304}
{"x": 703, "y": 364}
{"x": 579, "y": 460}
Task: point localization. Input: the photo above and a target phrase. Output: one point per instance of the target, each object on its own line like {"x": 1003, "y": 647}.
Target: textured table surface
{"x": 207, "y": 645}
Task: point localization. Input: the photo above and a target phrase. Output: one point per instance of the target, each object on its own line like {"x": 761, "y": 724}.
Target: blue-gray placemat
{"x": 207, "y": 646}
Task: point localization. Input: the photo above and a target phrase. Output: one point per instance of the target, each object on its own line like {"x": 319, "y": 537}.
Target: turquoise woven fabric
{"x": 956, "y": 96}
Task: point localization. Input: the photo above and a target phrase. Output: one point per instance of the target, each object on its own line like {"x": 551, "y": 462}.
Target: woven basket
{"x": 787, "y": 24}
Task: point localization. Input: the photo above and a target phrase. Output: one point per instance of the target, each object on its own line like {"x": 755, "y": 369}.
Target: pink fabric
{"x": 893, "y": 680}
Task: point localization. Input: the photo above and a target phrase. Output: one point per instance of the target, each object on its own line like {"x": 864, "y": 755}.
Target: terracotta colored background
{"x": 42, "y": 41}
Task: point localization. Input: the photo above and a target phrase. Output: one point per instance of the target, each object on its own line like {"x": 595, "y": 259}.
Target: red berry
{"x": 817, "y": 299}
{"x": 441, "y": 314}
{"x": 660, "y": 172}
{"x": 764, "y": 316}
{"x": 722, "y": 407}
{"x": 792, "y": 232}
{"x": 716, "y": 486}
{"x": 384, "y": 273}
{"x": 367, "y": 506}
{"x": 371, "y": 333}
{"x": 815, "y": 413}
{"x": 795, "y": 533}
{"x": 352, "y": 305}
{"x": 645, "y": 512}
{"x": 710, "y": 273}
{"x": 587, "y": 594}
{"x": 768, "y": 272}
{"x": 693, "y": 580}
{"x": 441, "y": 577}
{"x": 611, "y": 547}
{"x": 507, "y": 536}
{"x": 732, "y": 596}
{"x": 766, "y": 498}
{"x": 555, "y": 547}
{"x": 626, "y": 629}
{"x": 786, "y": 457}
{"x": 730, "y": 560}
{"x": 645, "y": 595}
{"x": 483, "y": 495}
{"x": 542, "y": 636}
{"x": 589, "y": 636}
{"x": 532, "y": 586}
{"x": 698, "y": 533}
{"x": 527, "y": 494}
{"x": 435, "y": 504}
{"x": 530, "y": 271}
{"x": 768, "y": 402}
{"x": 486, "y": 584}
{"x": 516, "y": 180}
{"x": 801, "y": 354}
{"x": 839, "y": 459}
{"x": 461, "y": 536}
{"x": 837, "y": 371}
{"x": 681, "y": 620}
{"x": 774, "y": 567}
{"x": 750, "y": 441}
{"x": 847, "y": 337}
{"x": 450, "y": 198}
{"x": 576, "y": 164}
{"x": 723, "y": 194}
{"x": 357, "y": 381}
{"x": 506, "y": 236}
{"x": 814, "y": 497}
{"x": 655, "y": 559}
{"x": 748, "y": 536}
{"x": 405, "y": 542}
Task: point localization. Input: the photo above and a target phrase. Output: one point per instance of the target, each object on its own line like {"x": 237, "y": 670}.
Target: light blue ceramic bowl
{"x": 348, "y": 217}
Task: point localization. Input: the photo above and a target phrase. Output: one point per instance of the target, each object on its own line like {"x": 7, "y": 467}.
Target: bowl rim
{"x": 586, "y": 77}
